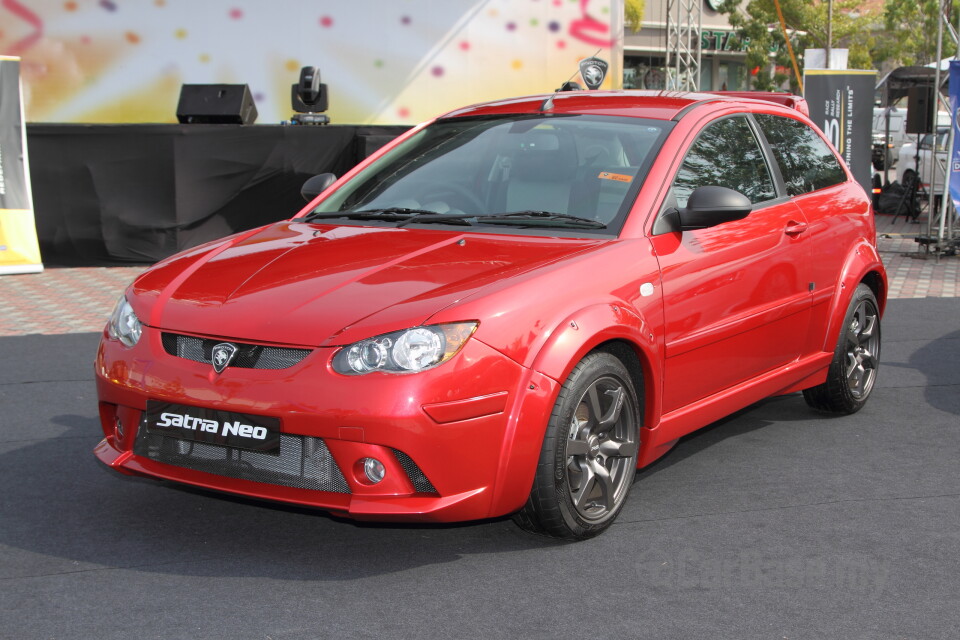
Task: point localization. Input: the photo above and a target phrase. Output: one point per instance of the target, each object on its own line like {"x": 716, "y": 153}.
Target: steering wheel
{"x": 460, "y": 190}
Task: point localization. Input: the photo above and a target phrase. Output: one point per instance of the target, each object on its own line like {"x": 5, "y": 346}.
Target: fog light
{"x": 118, "y": 428}
{"x": 374, "y": 470}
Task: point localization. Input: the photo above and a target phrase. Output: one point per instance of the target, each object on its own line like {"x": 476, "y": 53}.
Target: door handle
{"x": 795, "y": 228}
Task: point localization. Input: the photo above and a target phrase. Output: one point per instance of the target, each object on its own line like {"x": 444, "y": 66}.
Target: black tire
{"x": 853, "y": 371}
{"x": 589, "y": 455}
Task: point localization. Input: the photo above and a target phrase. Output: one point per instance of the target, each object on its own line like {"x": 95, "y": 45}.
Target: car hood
{"x": 307, "y": 284}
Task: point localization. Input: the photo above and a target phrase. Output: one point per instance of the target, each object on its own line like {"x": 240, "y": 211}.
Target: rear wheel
{"x": 853, "y": 371}
{"x": 589, "y": 455}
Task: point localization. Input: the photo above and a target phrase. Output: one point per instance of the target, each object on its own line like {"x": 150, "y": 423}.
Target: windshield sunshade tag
{"x": 619, "y": 177}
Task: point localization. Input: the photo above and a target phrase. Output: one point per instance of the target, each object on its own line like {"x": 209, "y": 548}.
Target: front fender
{"x": 587, "y": 328}
{"x": 578, "y": 334}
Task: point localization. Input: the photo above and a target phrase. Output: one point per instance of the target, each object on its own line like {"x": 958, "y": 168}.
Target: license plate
{"x": 198, "y": 424}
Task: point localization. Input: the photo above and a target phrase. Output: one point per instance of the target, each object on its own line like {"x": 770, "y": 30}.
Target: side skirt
{"x": 657, "y": 440}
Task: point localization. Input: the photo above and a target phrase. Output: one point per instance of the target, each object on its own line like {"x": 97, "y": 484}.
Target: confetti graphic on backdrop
{"x": 394, "y": 62}
{"x": 34, "y": 22}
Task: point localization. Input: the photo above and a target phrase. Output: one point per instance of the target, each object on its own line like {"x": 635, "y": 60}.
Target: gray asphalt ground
{"x": 773, "y": 523}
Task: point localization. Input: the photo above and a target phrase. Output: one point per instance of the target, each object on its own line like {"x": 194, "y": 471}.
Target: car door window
{"x": 725, "y": 154}
{"x": 942, "y": 139}
{"x": 806, "y": 161}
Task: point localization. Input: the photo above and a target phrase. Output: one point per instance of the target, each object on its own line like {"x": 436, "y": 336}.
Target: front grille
{"x": 303, "y": 462}
{"x": 419, "y": 480}
{"x": 249, "y": 356}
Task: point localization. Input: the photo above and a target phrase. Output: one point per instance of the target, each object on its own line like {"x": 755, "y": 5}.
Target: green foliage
{"x": 852, "y": 30}
{"x": 911, "y": 31}
{"x": 633, "y": 14}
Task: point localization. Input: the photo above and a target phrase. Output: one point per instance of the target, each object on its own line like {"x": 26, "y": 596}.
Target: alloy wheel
{"x": 862, "y": 346}
{"x": 601, "y": 449}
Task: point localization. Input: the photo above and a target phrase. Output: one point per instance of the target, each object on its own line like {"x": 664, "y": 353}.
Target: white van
{"x": 884, "y": 143}
{"x": 913, "y": 162}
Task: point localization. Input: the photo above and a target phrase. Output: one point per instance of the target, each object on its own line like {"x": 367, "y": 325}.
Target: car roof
{"x": 657, "y": 105}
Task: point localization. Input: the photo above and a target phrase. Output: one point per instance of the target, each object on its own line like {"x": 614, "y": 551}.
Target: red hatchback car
{"x": 508, "y": 310}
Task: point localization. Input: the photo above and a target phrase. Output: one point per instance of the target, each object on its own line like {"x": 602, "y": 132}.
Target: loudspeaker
{"x": 919, "y": 110}
{"x": 216, "y": 104}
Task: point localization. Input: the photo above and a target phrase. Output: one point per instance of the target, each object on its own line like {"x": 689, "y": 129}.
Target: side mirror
{"x": 316, "y": 185}
{"x": 711, "y": 205}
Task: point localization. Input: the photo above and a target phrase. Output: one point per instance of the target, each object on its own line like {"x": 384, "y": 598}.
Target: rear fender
{"x": 862, "y": 265}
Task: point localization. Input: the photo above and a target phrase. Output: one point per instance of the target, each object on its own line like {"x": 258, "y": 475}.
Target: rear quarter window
{"x": 806, "y": 161}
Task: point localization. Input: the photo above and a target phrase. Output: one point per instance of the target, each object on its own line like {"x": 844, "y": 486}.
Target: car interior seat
{"x": 542, "y": 172}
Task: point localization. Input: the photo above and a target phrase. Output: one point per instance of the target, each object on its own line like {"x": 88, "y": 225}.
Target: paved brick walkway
{"x": 913, "y": 272}
{"x": 80, "y": 299}
{"x": 61, "y": 300}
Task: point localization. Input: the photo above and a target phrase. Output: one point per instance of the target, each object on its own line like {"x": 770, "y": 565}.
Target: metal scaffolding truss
{"x": 683, "y": 44}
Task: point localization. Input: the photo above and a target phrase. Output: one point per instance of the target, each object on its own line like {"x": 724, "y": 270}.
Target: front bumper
{"x": 458, "y": 442}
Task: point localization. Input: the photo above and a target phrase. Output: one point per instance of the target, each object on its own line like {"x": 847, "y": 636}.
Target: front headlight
{"x": 123, "y": 324}
{"x": 407, "y": 351}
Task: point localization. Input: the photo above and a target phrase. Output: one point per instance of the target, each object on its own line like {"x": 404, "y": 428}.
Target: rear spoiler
{"x": 786, "y": 99}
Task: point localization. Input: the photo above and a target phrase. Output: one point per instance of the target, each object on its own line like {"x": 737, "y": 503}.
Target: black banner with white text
{"x": 841, "y": 104}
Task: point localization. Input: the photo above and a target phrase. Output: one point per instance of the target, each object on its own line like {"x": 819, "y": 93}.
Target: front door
{"x": 736, "y": 296}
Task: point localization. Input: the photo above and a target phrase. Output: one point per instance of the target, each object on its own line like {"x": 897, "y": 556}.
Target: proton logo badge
{"x": 222, "y": 355}
{"x": 593, "y": 71}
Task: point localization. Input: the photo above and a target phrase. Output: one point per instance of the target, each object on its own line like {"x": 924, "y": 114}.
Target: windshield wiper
{"x": 386, "y": 213}
{"x": 539, "y": 217}
{"x": 405, "y": 216}
{"x": 444, "y": 218}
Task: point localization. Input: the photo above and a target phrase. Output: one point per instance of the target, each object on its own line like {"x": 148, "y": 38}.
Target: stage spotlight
{"x": 309, "y": 98}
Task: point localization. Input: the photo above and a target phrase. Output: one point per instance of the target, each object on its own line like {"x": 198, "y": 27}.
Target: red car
{"x": 508, "y": 310}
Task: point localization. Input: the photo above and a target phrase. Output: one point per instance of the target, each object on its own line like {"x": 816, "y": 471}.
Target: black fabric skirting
{"x": 139, "y": 193}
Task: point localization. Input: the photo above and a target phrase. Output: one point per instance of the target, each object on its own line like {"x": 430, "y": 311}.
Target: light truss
{"x": 683, "y": 44}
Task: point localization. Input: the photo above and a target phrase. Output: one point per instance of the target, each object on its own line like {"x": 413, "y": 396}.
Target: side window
{"x": 805, "y": 160}
{"x": 725, "y": 154}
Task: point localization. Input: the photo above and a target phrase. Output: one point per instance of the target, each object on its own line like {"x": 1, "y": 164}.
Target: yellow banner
{"x": 19, "y": 251}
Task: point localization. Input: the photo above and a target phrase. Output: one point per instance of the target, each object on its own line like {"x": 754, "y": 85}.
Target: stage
{"x": 137, "y": 193}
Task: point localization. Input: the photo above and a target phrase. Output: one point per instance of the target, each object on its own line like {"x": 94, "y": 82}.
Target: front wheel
{"x": 853, "y": 371}
{"x": 589, "y": 455}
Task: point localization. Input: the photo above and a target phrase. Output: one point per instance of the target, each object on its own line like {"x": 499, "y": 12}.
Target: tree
{"x": 633, "y": 14}
{"x": 758, "y": 28}
{"x": 911, "y": 31}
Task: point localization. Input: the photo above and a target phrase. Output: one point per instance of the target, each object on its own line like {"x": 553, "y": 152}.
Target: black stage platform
{"x": 138, "y": 193}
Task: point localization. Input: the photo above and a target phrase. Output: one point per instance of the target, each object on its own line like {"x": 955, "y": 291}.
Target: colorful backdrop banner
{"x": 19, "y": 252}
{"x": 384, "y": 62}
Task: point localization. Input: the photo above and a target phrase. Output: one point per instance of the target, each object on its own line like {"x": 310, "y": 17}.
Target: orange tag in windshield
{"x": 619, "y": 177}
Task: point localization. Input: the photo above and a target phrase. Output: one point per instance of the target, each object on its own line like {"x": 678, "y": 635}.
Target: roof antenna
{"x": 569, "y": 85}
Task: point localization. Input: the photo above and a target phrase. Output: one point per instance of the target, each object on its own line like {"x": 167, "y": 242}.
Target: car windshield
{"x": 541, "y": 171}
{"x": 941, "y": 139}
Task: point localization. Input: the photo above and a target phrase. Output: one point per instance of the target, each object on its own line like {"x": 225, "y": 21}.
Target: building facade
{"x": 722, "y": 65}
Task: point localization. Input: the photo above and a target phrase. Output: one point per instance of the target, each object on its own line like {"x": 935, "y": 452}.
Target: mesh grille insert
{"x": 249, "y": 356}
{"x": 419, "y": 480}
{"x": 303, "y": 462}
